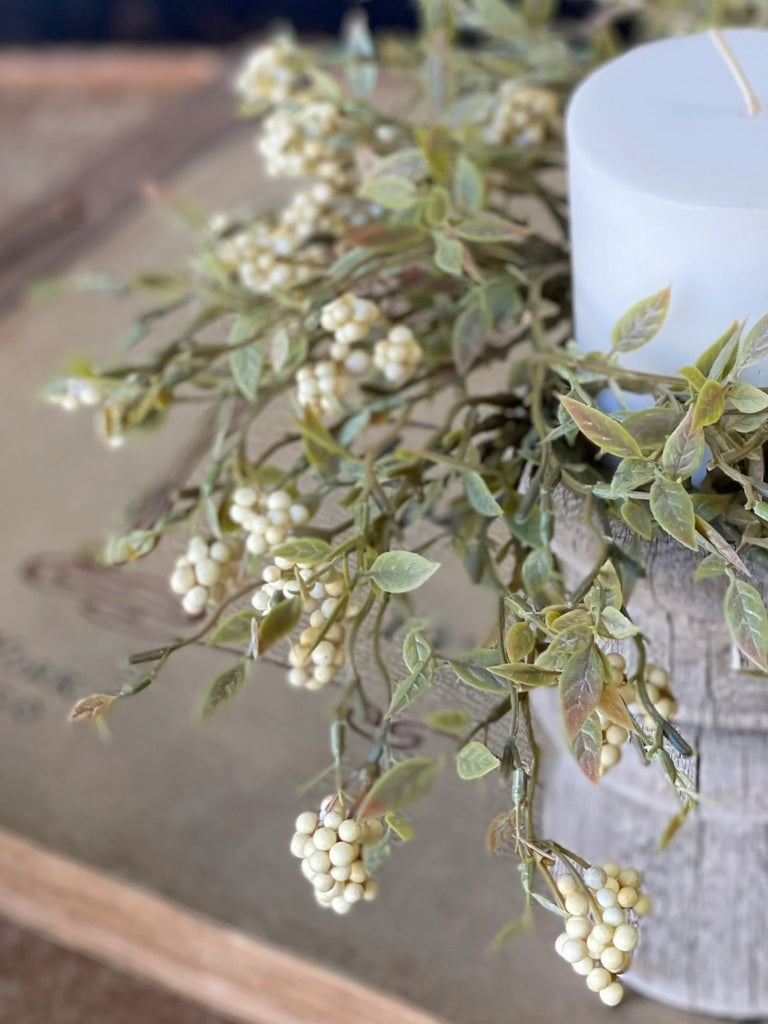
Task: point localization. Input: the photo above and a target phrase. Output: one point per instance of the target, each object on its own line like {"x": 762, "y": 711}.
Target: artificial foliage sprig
{"x": 385, "y": 377}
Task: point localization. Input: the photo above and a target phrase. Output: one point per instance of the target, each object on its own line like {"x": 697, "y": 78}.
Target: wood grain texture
{"x": 219, "y": 968}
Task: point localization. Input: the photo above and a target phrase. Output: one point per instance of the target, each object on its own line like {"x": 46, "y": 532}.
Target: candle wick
{"x": 754, "y": 106}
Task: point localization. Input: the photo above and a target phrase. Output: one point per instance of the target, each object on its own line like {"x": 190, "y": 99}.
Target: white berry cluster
{"x": 521, "y": 115}
{"x": 319, "y": 653}
{"x": 320, "y": 386}
{"x": 297, "y": 143}
{"x": 75, "y": 393}
{"x": 599, "y": 938}
{"x": 349, "y": 318}
{"x": 398, "y": 354}
{"x": 200, "y": 575}
{"x": 330, "y": 846}
{"x": 272, "y": 73}
{"x": 659, "y": 694}
{"x": 266, "y": 516}
{"x": 310, "y": 212}
{"x": 657, "y": 686}
{"x": 259, "y": 257}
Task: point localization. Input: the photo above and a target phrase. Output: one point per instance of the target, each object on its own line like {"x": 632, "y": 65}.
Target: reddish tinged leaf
{"x": 586, "y": 747}
{"x": 581, "y": 686}
{"x": 601, "y": 429}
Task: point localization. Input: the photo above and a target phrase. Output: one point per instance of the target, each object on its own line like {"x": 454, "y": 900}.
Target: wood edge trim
{"x": 133, "y": 930}
{"x": 112, "y": 68}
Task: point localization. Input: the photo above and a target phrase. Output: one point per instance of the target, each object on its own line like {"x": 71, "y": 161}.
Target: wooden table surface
{"x": 138, "y": 134}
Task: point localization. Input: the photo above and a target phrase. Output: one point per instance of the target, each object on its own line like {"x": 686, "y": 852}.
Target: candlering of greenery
{"x": 340, "y": 349}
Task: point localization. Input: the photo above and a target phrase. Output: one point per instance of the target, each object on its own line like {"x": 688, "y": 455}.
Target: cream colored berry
{"x": 353, "y": 892}
{"x": 322, "y": 882}
{"x": 566, "y": 884}
{"x": 370, "y": 889}
{"x": 613, "y": 994}
{"x": 625, "y": 938}
{"x": 324, "y": 838}
{"x": 643, "y": 905}
{"x": 627, "y": 897}
{"x": 343, "y": 873}
{"x": 560, "y": 941}
{"x": 340, "y": 905}
{"x": 616, "y": 734}
{"x": 603, "y": 933}
{"x": 342, "y": 854}
{"x": 577, "y": 904}
{"x": 349, "y": 831}
{"x": 357, "y": 872}
{"x": 320, "y": 861}
{"x": 614, "y": 916}
{"x": 598, "y": 979}
{"x": 609, "y": 756}
{"x": 333, "y": 818}
{"x": 583, "y": 967}
{"x": 594, "y": 878}
{"x": 578, "y": 927}
{"x": 306, "y": 822}
{"x": 606, "y": 897}
{"x": 628, "y": 876}
{"x": 612, "y": 958}
{"x": 573, "y": 950}
{"x": 298, "y": 843}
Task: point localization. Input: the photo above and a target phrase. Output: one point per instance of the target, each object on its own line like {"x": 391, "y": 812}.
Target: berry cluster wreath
{"x": 410, "y": 262}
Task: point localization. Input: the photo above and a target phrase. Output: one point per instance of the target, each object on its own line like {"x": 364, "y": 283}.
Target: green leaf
{"x": 391, "y": 193}
{"x": 245, "y": 366}
{"x": 710, "y": 567}
{"x": 236, "y": 629}
{"x": 537, "y": 571}
{"x": 475, "y": 760}
{"x": 725, "y": 344}
{"x": 222, "y": 689}
{"x": 519, "y": 641}
{"x": 409, "y": 689}
{"x": 617, "y": 625}
{"x": 586, "y": 747}
{"x": 501, "y": 18}
{"x": 631, "y": 474}
{"x": 435, "y": 207}
{"x": 452, "y": 722}
{"x": 601, "y": 429}
{"x": 487, "y": 228}
{"x": 303, "y": 550}
{"x": 747, "y": 398}
{"x": 469, "y": 333}
{"x": 523, "y": 674}
{"x": 761, "y": 510}
{"x": 710, "y": 405}
{"x": 403, "y": 829}
{"x": 747, "y": 621}
{"x": 651, "y": 427}
{"x": 641, "y": 322}
{"x": 449, "y": 254}
{"x": 398, "y": 572}
{"x": 480, "y": 497}
{"x": 672, "y": 508}
{"x": 684, "y": 451}
{"x": 637, "y": 517}
{"x": 468, "y": 185}
{"x": 755, "y": 345}
{"x": 479, "y": 677}
{"x": 581, "y": 685}
{"x": 721, "y": 546}
{"x": 403, "y": 784}
{"x": 279, "y": 622}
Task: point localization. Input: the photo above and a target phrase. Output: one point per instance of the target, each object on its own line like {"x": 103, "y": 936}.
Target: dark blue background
{"x": 201, "y": 21}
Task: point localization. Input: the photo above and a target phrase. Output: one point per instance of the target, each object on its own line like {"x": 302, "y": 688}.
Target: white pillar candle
{"x": 668, "y": 181}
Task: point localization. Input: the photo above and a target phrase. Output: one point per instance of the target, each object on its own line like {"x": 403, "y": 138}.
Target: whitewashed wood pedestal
{"x": 705, "y": 948}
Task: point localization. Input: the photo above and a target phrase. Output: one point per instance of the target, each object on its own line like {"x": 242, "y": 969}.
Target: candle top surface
{"x": 668, "y": 118}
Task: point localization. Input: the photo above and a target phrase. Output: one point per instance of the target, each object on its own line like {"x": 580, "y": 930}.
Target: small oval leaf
{"x": 601, "y": 429}
{"x": 641, "y": 322}
{"x": 475, "y": 760}
{"x": 398, "y": 572}
{"x": 403, "y": 784}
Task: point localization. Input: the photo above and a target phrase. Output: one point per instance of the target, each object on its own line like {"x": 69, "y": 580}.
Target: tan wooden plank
{"x": 221, "y": 969}
{"x": 108, "y": 68}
